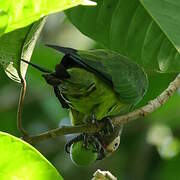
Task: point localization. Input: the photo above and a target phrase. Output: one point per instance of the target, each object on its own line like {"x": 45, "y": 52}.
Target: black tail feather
{"x": 72, "y": 59}
{"x": 37, "y": 67}
{"x": 64, "y": 50}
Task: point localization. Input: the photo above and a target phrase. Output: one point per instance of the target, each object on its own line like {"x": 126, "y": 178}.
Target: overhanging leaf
{"x": 16, "y": 14}
{"x": 19, "y": 160}
{"x": 145, "y": 31}
{"x": 166, "y": 14}
{"x": 16, "y": 45}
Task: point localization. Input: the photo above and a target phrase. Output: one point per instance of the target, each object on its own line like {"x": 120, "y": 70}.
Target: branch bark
{"x": 117, "y": 121}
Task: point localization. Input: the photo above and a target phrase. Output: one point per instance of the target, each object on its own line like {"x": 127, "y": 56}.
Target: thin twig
{"x": 117, "y": 121}
{"x": 63, "y": 131}
{"x": 27, "y": 47}
{"x": 20, "y": 108}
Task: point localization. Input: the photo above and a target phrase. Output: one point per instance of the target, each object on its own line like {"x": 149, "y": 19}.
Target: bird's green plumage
{"x": 128, "y": 79}
{"x": 109, "y": 85}
{"x": 97, "y": 84}
{"x": 89, "y": 95}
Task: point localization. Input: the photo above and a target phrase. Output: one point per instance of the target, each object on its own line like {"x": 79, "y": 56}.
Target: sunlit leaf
{"x": 16, "y": 14}
{"x": 16, "y": 45}
{"x": 19, "y": 160}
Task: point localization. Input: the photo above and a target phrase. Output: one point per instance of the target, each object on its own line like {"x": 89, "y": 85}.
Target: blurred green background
{"x": 149, "y": 147}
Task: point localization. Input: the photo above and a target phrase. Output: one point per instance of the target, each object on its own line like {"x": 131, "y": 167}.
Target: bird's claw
{"x": 93, "y": 120}
{"x": 87, "y": 140}
{"x": 97, "y": 145}
{"x": 101, "y": 154}
{"x": 109, "y": 127}
{"x": 73, "y": 140}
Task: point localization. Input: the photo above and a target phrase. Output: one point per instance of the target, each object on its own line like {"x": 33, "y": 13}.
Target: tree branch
{"x": 117, "y": 121}
{"x": 151, "y": 106}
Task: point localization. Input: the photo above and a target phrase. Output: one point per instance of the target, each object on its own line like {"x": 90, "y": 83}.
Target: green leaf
{"x": 146, "y": 31}
{"x": 16, "y": 14}
{"x": 166, "y": 15}
{"x": 16, "y": 45}
{"x": 19, "y": 160}
{"x": 158, "y": 82}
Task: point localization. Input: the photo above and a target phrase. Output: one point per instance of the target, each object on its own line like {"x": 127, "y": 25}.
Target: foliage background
{"x": 136, "y": 158}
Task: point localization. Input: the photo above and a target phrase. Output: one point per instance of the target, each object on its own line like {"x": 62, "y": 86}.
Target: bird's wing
{"x": 73, "y": 58}
{"x": 126, "y": 78}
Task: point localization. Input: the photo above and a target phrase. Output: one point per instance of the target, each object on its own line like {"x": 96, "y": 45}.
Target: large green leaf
{"x": 16, "y": 14}
{"x": 16, "y": 45}
{"x": 19, "y": 160}
{"x": 147, "y": 31}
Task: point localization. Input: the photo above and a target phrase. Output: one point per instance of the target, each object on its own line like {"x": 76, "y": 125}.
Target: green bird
{"x": 95, "y": 86}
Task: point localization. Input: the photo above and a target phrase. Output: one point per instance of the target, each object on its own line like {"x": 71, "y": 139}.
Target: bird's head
{"x": 113, "y": 146}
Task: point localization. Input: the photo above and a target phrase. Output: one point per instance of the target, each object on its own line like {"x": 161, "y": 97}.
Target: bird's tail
{"x": 42, "y": 69}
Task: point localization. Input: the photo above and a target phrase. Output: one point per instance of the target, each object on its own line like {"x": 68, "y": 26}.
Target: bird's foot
{"x": 109, "y": 127}
{"x": 101, "y": 154}
{"x": 88, "y": 139}
{"x": 93, "y": 120}
{"x": 73, "y": 140}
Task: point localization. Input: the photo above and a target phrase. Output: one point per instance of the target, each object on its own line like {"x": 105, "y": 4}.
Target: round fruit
{"x": 82, "y": 156}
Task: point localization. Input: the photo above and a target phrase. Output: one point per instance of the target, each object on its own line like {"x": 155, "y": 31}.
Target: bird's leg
{"x": 97, "y": 144}
{"x": 95, "y": 141}
{"x": 87, "y": 140}
{"x": 92, "y": 120}
{"x": 101, "y": 154}
{"x": 109, "y": 127}
{"x": 73, "y": 140}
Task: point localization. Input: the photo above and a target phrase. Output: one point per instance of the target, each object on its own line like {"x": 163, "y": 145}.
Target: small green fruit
{"x": 82, "y": 156}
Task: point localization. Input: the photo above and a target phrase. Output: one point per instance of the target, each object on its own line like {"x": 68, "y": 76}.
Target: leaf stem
{"x": 20, "y": 108}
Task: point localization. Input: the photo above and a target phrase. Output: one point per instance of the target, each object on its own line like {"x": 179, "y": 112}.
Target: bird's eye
{"x": 116, "y": 145}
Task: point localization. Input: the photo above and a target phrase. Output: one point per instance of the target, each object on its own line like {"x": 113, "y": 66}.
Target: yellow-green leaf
{"x": 16, "y": 45}
{"x": 16, "y": 14}
{"x": 19, "y": 160}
